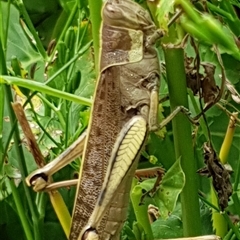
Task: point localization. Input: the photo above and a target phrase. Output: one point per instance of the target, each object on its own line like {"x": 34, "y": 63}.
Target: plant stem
{"x": 95, "y": 6}
{"x": 4, "y": 27}
{"x": 56, "y": 110}
{"x": 22, "y": 164}
{"x": 7, "y": 96}
{"x": 183, "y": 141}
{"x": 43, "y": 128}
{"x": 63, "y": 32}
{"x": 3, "y": 70}
{"x": 24, "y": 12}
{"x": 219, "y": 222}
{"x": 37, "y": 86}
{"x": 65, "y": 66}
{"x": 235, "y": 197}
{"x": 21, "y": 211}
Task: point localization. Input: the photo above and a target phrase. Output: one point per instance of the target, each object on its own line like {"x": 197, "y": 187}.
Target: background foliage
{"x": 49, "y": 43}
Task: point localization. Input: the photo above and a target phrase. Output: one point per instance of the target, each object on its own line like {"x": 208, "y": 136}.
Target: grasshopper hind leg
{"x": 122, "y": 162}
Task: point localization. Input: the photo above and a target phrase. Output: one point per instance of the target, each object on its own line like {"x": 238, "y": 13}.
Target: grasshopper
{"x": 124, "y": 111}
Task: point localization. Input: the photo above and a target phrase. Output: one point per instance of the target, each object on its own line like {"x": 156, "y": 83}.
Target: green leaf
{"x": 18, "y": 43}
{"x": 127, "y": 233}
{"x": 170, "y": 188}
{"x": 170, "y": 227}
{"x": 138, "y": 231}
{"x": 164, "y": 8}
{"x": 166, "y": 196}
{"x": 36, "y": 86}
{"x": 141, "y": 212}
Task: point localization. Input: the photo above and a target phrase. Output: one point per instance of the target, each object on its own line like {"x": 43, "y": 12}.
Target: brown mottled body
{"x": 107, "y": 119}
{"x": 129, "y": 76}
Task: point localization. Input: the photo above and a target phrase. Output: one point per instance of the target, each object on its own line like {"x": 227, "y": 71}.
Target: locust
{"x": 124, "y": 110}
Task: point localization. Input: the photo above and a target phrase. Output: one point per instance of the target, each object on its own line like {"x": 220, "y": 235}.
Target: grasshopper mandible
{"x": 124, "y": 110}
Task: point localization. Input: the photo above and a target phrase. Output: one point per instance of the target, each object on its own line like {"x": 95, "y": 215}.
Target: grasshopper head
{"x": 126, "y": 14}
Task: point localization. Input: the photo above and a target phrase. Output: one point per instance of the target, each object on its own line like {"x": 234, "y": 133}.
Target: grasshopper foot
{"x": 179, "y": 109}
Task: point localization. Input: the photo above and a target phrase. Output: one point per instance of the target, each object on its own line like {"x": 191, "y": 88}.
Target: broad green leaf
{"x": 18, "y": 44}
{"x": 141, "y": 212}
{"x": 170, "y": 188}
{"x": 168, "y": 228}
{"x": 165, "y": 198}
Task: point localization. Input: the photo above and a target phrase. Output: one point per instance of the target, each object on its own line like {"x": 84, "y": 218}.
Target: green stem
{"x": 235, "y": 189}
{"x": 95, "y": 6}
{"x": 63, "y": 68}
{"x": 1, "y": 127}
{"x": 231, "y": 225}
{"x": 220, "y": 11}
{"x": 183, "y": 141}
{"x": 22, "y": 164}
{"x": 4, "y": 29}
{"x": 236, "y": 203}
{"x": 3, "y": 70}
{"x": 63, "y": 32}
{"x": 232, "y": 22}
{"x": 7, "y": 91}
{"x": 40, "y": 87}
{"x": 56, "y": 110}
{"x": 229, "y": 235}
{"x": 43, "y": 128}
{"x": 219, "y": 222}
{"x": 67, "y": 124}
{"x": 237, "y": 175}
{"x": 21, "y": 211}
{"x": 27, "y": 19}
{"x": 197, "y": 111}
